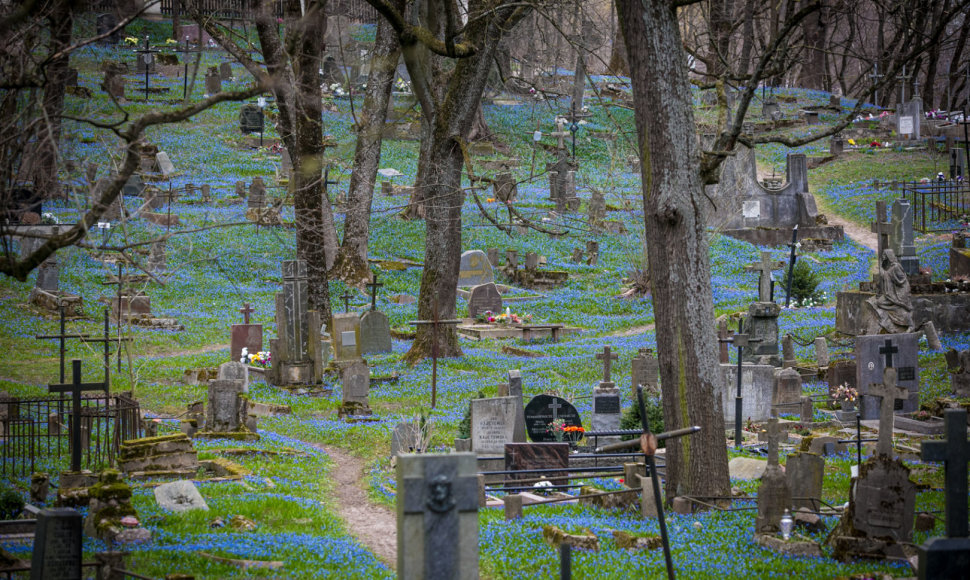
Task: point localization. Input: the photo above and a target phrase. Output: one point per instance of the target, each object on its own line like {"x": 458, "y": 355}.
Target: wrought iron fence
{"x": 35, "y": 432}
{"x": 938, "y": 205}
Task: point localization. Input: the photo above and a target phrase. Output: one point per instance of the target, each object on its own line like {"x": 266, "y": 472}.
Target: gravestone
{"x": 597, "y": 209}
{"x": 105, "y": 23}
{"x": 240, "y": 189}
{"x": 493, "y": 423}
{"x": 504, "y": 187}
{"x": 345, "y": 334}
{"x": 805, "y": 472}
{"x": 949, "y": 557}
{"x": 901, "y": 239}
{"x": 227, "y": 409}
{"x": 484, "y": 298}
{"x": 958, "y": 363}
{"x": 375, "y": 332}
{"x": 48, "y": 274}
{"x": 206, "y": 190}
{"x": 246, "y": 335}
{"x": 355, "y": 387}
{"x": 114, "y": 82}
{"x": 234, "y": 371}
{"x": 250, "y": 119}
{"x": 213, "y": 81}
{"x": 492, "y": 254}
{"x": 821, "y": 352}
{"x": 908, "y": 119}
{"x": 774, "y": 496}
{"x": 145, "y": 60}
{"x": 606, "y": 401}
{"x": 645, "y": 371}
{"x": 762, "y": 324}
{"x": 180, "y": 496}
{"x": 841, "y": 372}
{"x": 886, "y": 393}
{"x": 757, "y": 388}
{"x": 542, "y": 410}
{"x": 958, "y": 163}
{"x": 157, "y": 257}
{"x": 475, "y": 269}
{"x": 788, "y": 391}
{"x": 134, "y": 187}
{"x": 164, "y": 164}
{"x": 298, "y": 356}
{"x": 880, "y": 513}
{"x": 257, "y": 193}
{"x": 437, "y": 516}
{"x": 57, "y": 545}
{"x": 406, "y": 438}
{"x": 225, "y": 71}
{"x": 523, "y": 456}
{"x": 870, "y": 356}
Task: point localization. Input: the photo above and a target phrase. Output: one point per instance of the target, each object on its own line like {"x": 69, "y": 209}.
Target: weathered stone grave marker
{"x": 873, "y": 354}
{"x": 437, "y": 507}
{"x": 484, "y": 298}
{"x": 57, "y": 545}
{"x": 375, "y": 329}
{"x": 245, "y": 335}
{"x": 774, "y": 496}
{"x": 494, "y": 422}
{"x": 355, "y": 387}
{"x": 606, "y": 400}
{"x": 475, "y": 269}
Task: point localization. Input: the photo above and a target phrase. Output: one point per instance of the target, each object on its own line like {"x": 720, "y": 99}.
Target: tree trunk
{"x": 673, "y": 201}
{"x": 351, "y": 262}
{"x": 301, "y": 128}
{"x": 813, "y": 63}
{"x": 44, "y": 158}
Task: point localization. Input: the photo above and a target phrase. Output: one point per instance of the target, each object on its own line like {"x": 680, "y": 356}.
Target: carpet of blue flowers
{"x": 213, "y": 271}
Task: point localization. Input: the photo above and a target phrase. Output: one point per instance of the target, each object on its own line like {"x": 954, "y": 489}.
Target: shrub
{"x": 11, "y": 504}
{"x": 804, "y": 287}
{"x": 465, "y": 427}
{"x": 655, "y": 415}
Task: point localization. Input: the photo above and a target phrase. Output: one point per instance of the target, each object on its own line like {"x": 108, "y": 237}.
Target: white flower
{"x": 245, "y": 356}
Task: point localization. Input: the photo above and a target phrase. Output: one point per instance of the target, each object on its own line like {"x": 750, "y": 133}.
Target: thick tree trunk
{"x": 44, "y": 158}
{"x": 673, "y": 201}
{"x": 813, "y": 63}
{"x": 351, "y": 262}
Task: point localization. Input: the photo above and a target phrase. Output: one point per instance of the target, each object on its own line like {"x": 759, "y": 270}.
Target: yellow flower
{"x": 852, "y": 142}
{"x": 131, "y": 40}
{"x": 171, "y": 41}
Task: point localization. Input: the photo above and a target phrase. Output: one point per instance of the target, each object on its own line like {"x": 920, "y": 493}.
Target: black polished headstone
{"x": 540, "y": 413}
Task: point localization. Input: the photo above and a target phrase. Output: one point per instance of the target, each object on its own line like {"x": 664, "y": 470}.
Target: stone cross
{"x": 889, "y": 393}
{"x": 373, "y": 292}
{"x": 76, "y": 387}
{"x": 295, "y": 308}
{"x": 765, "y": 266}
{"x": 881, "y": 228}
{"x": 903, "y": 77}
{"x": 954, "y": 452}
{"x": 246, "y": 310}
{"x": 607, "y": 357}
{"x": 560, "y": 133}
{"x": 436, "y": 490}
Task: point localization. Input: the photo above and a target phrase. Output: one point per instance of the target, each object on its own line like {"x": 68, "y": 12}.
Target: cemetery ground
{"x": 286, "y": 483}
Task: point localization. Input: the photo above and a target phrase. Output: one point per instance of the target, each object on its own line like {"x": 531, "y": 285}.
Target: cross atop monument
{"x": 76, "y": 387}
{"x": 888, "y": 349}
{"x": 903, "y": 77}
{"x": 607, "y": 357}
{"x": 954, "y": 452}
{"x": 882, "y": 228}
{"x": 246, "y": 310}
{"x": 889, "y": 392}
{"x": 765, "y": 266}
{"x": 373, "y": 292}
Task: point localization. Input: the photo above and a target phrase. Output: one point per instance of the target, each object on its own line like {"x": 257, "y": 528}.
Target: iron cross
{"x": 373, "y": 292}
{"x": 435, "y": 323}
{"x": 76, "y": 387}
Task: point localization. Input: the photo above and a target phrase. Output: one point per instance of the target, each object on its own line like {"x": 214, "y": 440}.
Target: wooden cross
{"x": 765, "y": 266}
{"x": 373, "y": 292}
{"x": 723, "y": 339}
{"x": 346, "y": 296}
{"x": 954, "y": 452}
{"x": 246, "y": 310}
{"x": 889, "y": 392}
{"x": 435, "y": 323}
{"x": 888, "y": 349}
{"x": 881, "y": 228}
{"x": 607, "y": 357}
{"x": 76, "y": 387}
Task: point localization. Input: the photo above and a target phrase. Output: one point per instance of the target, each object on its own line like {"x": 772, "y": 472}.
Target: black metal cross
{"x": 143, "y": 54}
{"x": 954, "y": 452}
{"x": 573, "y": 128}
{"x": 373, "y": 292}
{"x": 61, "y": 337}
{"x": 107, "y": 340}
{"x": 889, "y": 349}
{"x": 327, "y": 181}
{"x": 607, "y": 357}
{"x": 435, "y": 323}
{"x": 346, "y": 296}
{"x": 246, "y": 310}
{"x": 740, "y": 341}
{"x": 76, "y": 387}
{"x": 858, "y": 441}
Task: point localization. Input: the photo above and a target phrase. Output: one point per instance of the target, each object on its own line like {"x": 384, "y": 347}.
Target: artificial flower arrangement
{"x": 845, "y": 393}
{"x": 506, "y": 318}
{"x": 562, "y": 431}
